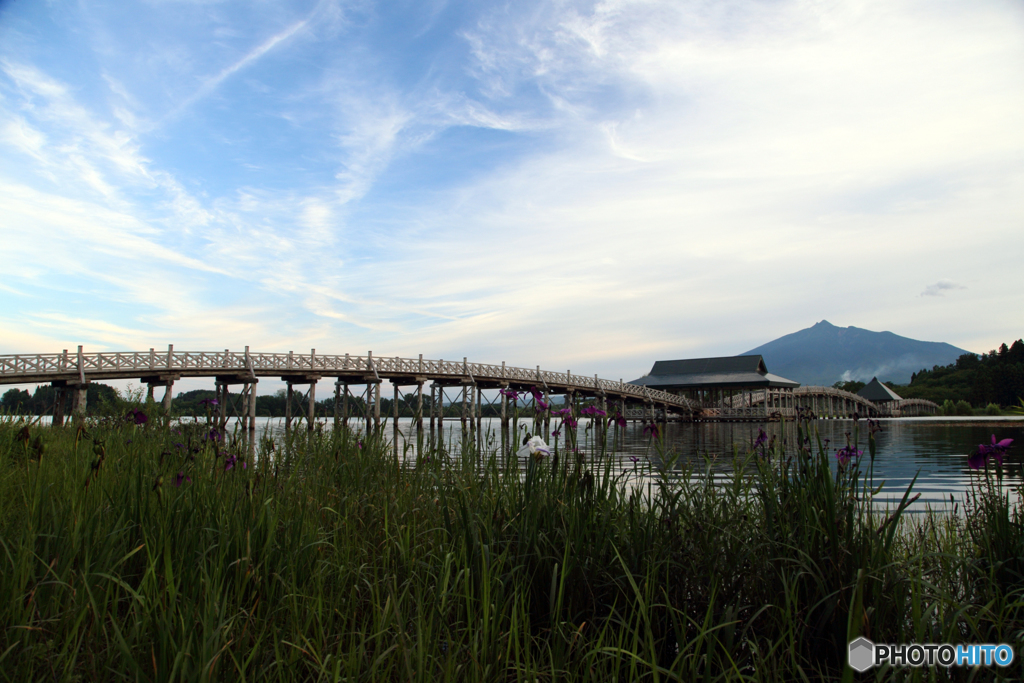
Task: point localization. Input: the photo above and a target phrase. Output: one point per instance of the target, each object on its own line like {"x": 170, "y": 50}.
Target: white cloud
{"x": 941, "y": 287}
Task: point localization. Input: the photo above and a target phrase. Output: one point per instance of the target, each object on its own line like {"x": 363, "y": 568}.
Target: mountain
{"x": 824, "y": 354}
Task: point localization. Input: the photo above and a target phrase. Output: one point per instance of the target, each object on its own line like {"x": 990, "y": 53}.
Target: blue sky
{"x": 572, "y": 184}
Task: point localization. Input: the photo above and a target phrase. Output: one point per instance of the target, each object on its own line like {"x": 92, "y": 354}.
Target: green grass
{"x": 324, "y": 560}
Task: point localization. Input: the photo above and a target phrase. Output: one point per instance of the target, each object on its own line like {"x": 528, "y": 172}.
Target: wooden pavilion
{"x": 727, "y": 388}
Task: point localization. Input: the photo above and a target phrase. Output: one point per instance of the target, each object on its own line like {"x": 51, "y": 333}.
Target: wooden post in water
{"x": 252, "y": 417}
{"x": 465, "y": 427}
{"x": 481, "y": 436}
{"x": 58, "y": 405}
{"x": 504, "y": 419}
{"x": 367, "y": 410}
{"x": 440, "y": 413}
{"x": 288, "y": 396}
{"x": 337, "y": 404}
{"x": 376, "y": 405}
{"x": 419, "y": 412}
{"x": 311, "y": 405}
{"x": 225, "y": 390}
{"x": 168, "y": 397}
{"x": 394, "y": 417}
{"x": 433, "y": 410}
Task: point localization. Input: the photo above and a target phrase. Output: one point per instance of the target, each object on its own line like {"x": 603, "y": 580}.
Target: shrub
{"x": 993, "y": 409}
{"x": 948, "y": 407}
{"x": 964, "y": 408}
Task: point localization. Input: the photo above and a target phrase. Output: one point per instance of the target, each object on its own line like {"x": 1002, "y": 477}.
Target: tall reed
{"x": 160, "y": 553}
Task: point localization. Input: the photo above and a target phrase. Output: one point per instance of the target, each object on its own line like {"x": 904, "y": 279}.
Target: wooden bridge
{"x": 72, "y": 372}
{"x": 823, "y": 402}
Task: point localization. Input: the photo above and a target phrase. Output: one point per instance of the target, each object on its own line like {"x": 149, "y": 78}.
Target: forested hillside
{"x": 996, "y": 377}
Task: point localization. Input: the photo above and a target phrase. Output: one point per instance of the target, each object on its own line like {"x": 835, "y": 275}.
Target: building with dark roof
{"x": 876, "y": 392}
{"x": 729, "y": 386}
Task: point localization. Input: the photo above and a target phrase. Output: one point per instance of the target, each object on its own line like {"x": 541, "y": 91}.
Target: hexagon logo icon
{"x": 862, "y": 655}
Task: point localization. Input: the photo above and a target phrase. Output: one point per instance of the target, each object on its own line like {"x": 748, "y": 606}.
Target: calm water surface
{"x": 934, "y": 449}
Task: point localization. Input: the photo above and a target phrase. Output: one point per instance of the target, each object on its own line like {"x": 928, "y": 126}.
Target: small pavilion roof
{"x": 728, "y": 372}
{"x": 877, "y": 392}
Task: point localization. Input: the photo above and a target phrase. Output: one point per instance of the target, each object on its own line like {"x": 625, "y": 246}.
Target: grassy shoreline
{"x": 139, "y": 552}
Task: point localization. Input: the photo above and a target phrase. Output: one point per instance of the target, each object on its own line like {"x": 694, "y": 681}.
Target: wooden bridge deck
{"x": 245, "y": 366}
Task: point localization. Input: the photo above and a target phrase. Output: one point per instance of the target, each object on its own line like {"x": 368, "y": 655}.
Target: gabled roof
{"x": 714, "y": 366}
{"x": 725, "y": 372}
{"x": 878, "y": 392}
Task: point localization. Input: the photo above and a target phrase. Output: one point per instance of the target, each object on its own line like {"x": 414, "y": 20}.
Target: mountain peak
{"x": 824, "y": 354}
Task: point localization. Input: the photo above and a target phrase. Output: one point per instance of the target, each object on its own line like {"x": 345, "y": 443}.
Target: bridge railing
{"x": 40, "y": 367}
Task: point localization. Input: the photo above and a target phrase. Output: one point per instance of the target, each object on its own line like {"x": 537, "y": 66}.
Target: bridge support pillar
{"x": 394, "y": 418}
{"x": 440, "y": 414}
{"x": 433, "y": 411}
{"x": 419, "y": 414}
{"x": 337, "y": 404}
{"x": 288, "y": 397}
{"x": 222, "y": 406}
{"x": 79, "y": 399}
{"x": 344, "y": 404}
{"x": 376, "y": 405}
{"x": 311, "y": 406}
{"x": 504, "y": 425}
{"x": 168, "y": 398}
{"x": 252, "y": 417}
{"x": 60, "y": 397}
{"x": 479, "y": 421}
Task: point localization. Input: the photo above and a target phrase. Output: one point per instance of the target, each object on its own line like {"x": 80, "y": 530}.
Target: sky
{"x": 577, "y": 185}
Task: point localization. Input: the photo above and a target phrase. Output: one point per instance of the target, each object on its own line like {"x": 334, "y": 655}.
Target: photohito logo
{"x": 864, "y": 654}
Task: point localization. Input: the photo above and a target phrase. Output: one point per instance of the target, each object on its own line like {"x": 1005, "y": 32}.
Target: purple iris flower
{"x": 138, "y": 416}
{"x": 846, "y": 453}
{"x": 542, "y": 404}
{"x": 209, "y": 402}
{"x": 634, "y": 459}
{"x": 537, "y": 395}
{"x": 977, "y": 460}
{"x": 564, "y": 411}
{"x": 619, "y": 420}
{"x": 997, "y": 449}
{"x": 570, "y": 421}
{"x": 556, "y": 433}
{"x": 214, "y": 435}
{"x": 762, "y": 438}
{"x": 509, "y": 393}
{"x": 181, "y": 478}
{"x": 593, "y": 411}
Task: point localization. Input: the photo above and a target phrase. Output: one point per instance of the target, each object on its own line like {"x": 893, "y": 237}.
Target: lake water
{"x": 934, "y": 449}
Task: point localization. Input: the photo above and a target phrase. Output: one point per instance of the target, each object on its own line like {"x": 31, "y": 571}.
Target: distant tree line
{"x": 994, "y": 378}
{"x": 101, "y": 399}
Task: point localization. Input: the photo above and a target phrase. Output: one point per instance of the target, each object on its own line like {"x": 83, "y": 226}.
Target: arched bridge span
{"x": 824, "y": 402}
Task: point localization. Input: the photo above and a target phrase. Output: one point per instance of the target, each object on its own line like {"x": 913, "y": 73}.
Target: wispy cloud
{"x": 941, "y": 287}
{"x": 211, "y": 83}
